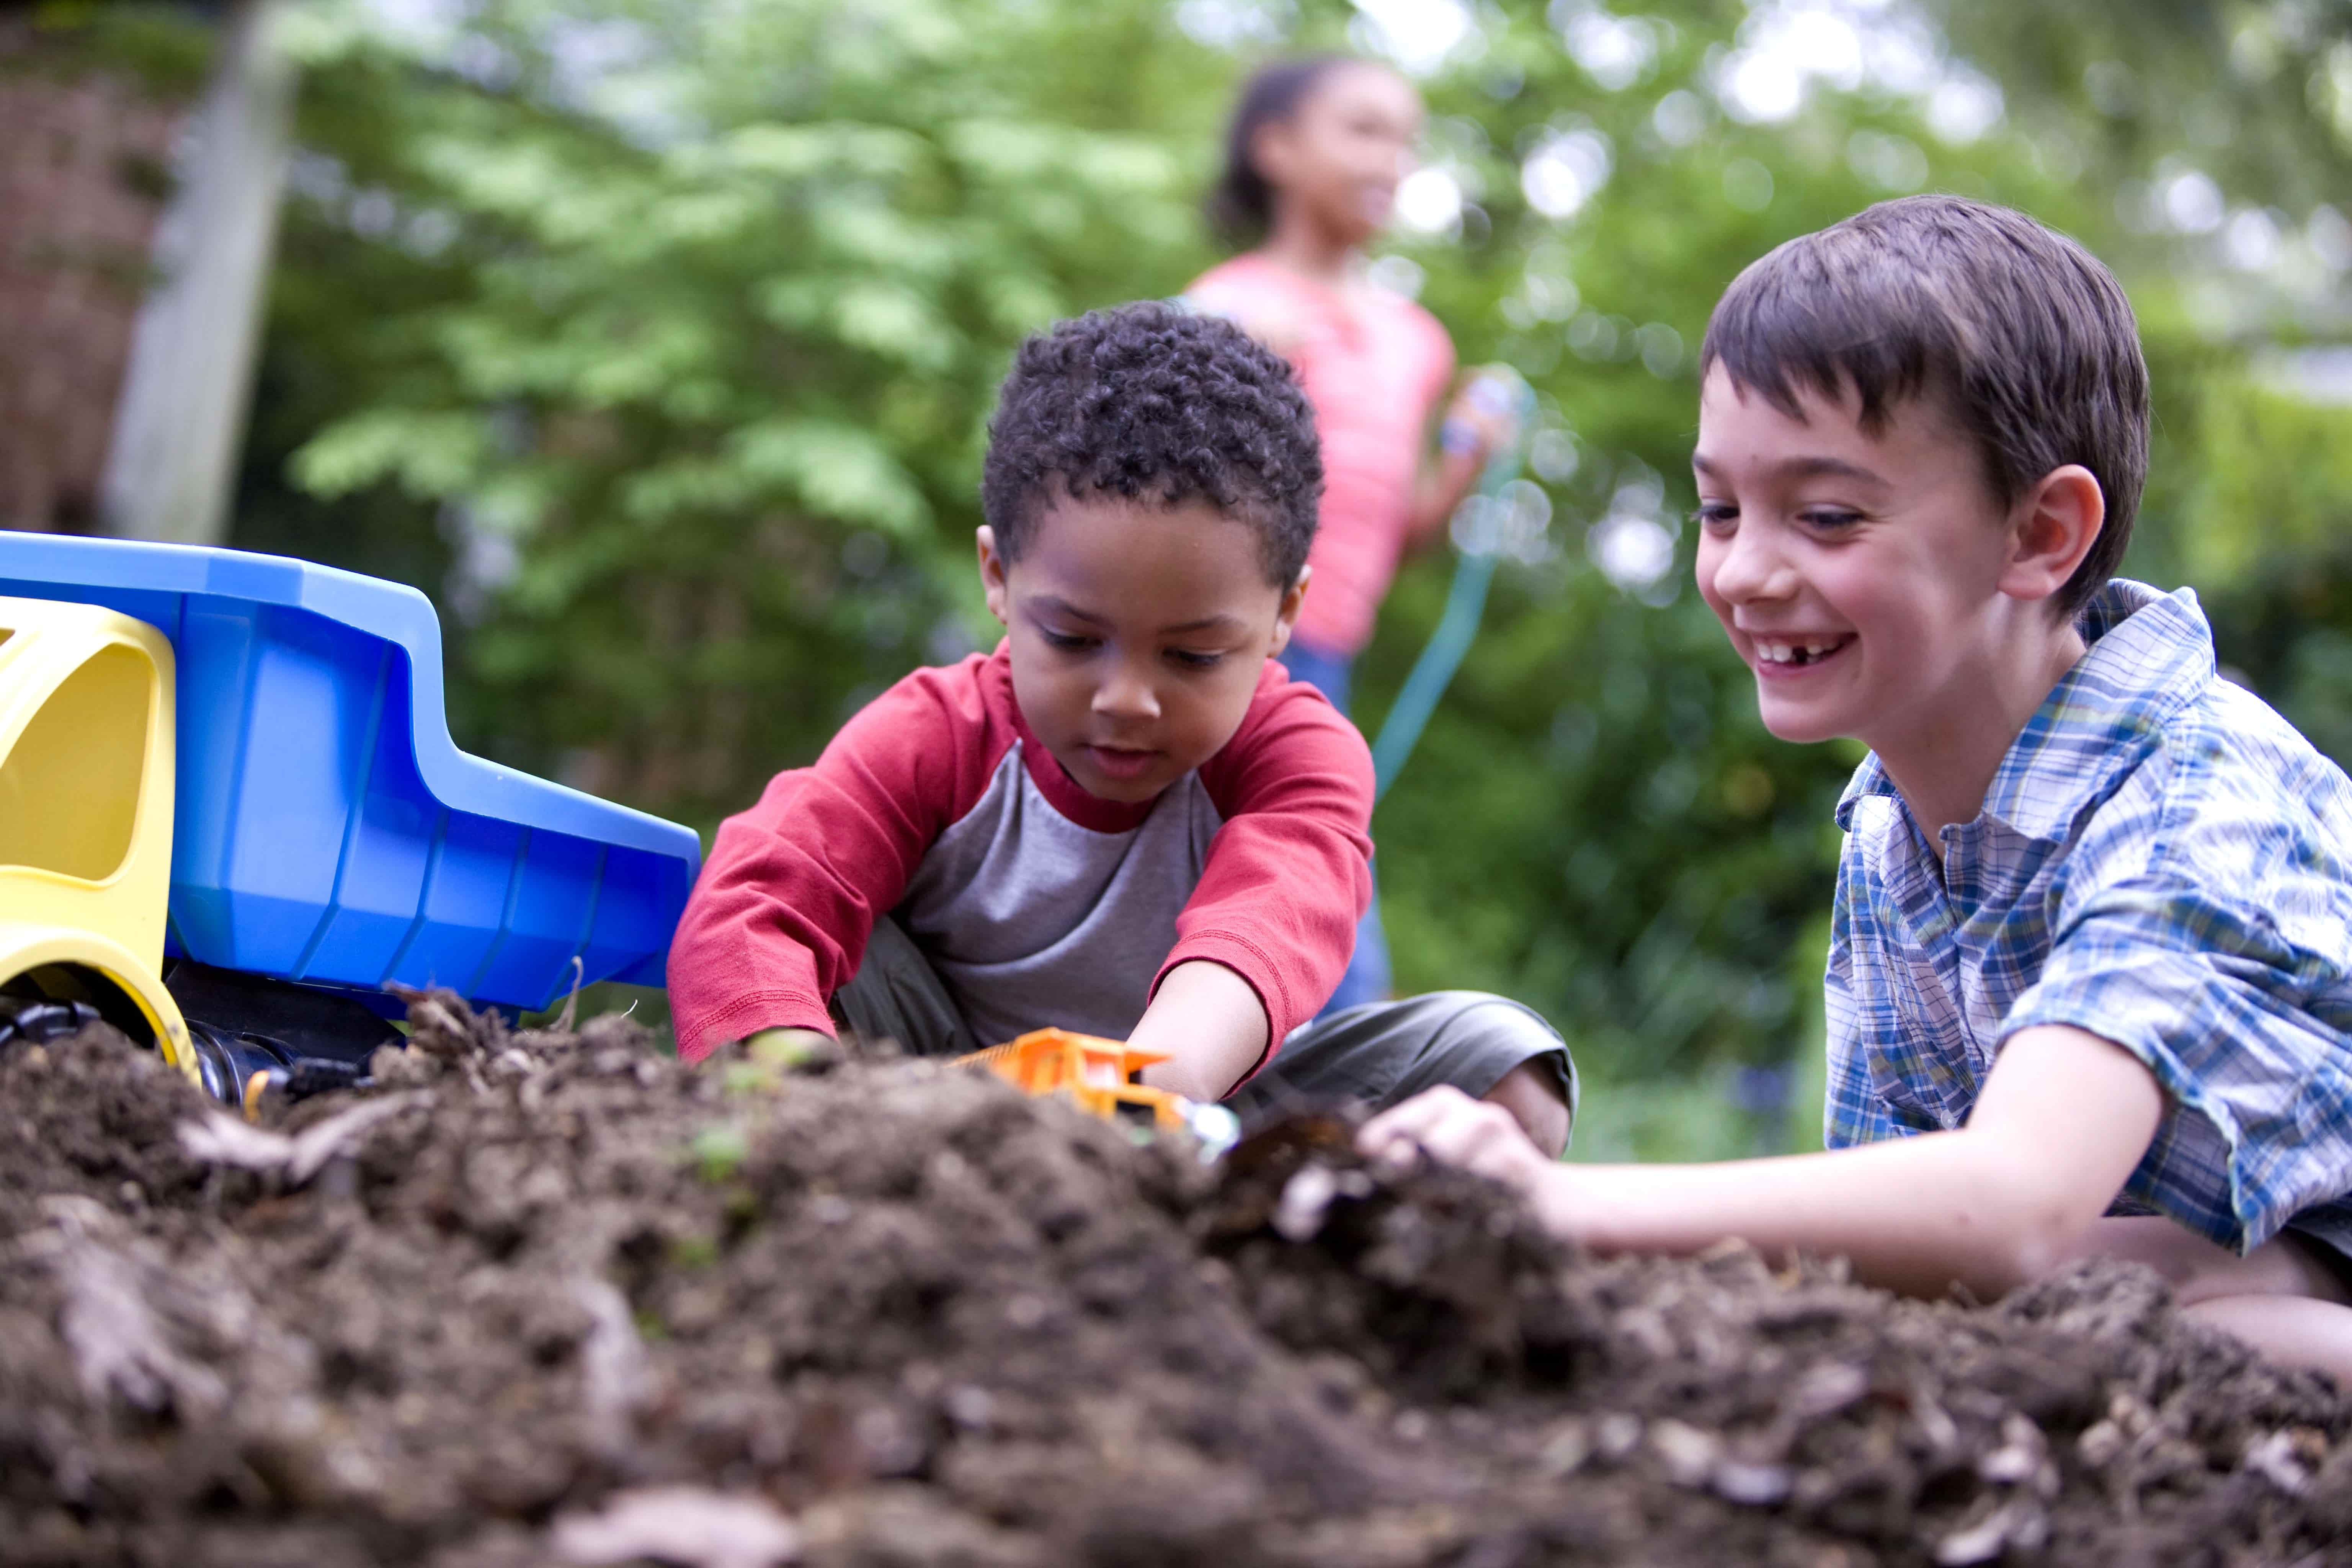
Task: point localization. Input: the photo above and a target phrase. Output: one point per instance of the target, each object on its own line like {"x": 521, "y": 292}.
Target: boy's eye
{"x": 1715, "y": 515}
{"x": 1191, "y": 659}
{"x": 1068, "y": 642}
{"x": 1830, "y": 518}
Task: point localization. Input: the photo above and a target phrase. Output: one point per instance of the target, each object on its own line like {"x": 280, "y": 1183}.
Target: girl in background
{"x": 1314, "y": 156}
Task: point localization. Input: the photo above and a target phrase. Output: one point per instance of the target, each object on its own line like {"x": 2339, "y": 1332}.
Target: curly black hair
{"x": 1152, "y": 401}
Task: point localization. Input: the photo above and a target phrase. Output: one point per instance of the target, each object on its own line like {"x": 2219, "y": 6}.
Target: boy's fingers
{"x": 1399, "y": 1132}
{"x": 1448, "y": 1126}
{"x": 1481, "y": 1138}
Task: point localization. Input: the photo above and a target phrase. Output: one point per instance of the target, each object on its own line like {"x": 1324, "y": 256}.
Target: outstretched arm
{"x": 2063, "y": 1118}
{"x": 1212, "y": 1025}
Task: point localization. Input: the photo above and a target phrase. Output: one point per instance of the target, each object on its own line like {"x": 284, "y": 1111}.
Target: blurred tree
{"x": 180, "y": 422}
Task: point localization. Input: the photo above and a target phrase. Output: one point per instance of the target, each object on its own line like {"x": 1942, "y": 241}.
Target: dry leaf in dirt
{"x": 118, "y": 1345}
{"x": 685, "y": 1525}
{"x": 222, "y": 1140}
{"x": 440, "y": 1024}
{"x": 612, "y": 1363}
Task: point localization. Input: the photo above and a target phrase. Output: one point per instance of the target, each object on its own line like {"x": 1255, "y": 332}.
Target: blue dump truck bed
{"x": 327, "y": 830}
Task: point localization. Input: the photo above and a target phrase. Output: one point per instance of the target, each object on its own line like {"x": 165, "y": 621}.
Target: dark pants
{"x": 1373, "y": 1055}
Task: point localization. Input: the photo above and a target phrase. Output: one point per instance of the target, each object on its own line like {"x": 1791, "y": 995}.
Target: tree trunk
{"x": 173, "y": 465}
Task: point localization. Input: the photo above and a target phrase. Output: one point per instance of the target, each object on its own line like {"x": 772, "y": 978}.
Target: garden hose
{"x": 1497, "y": 389}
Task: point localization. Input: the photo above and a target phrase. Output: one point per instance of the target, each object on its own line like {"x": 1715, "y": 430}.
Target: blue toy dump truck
{"x": 231, "y": 814}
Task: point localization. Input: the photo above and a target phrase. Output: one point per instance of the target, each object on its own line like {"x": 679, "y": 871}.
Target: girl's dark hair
{"x": 1241, "y": 203}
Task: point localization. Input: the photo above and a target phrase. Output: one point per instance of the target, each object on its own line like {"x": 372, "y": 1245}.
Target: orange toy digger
{"x": 1102, "y": 1077}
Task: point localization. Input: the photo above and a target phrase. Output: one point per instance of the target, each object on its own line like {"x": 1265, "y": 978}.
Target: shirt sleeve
{"x": 2234, "y": 1020}
{"x": 1289, "y": 872}
{"x": 779, "y": 918}
{"x": 1248, "y": 295}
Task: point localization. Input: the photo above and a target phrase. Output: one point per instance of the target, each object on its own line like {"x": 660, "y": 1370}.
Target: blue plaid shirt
{"x": 2162, "y": 861}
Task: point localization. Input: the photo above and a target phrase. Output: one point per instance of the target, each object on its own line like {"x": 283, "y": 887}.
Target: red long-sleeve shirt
{"x": 1037, "y": 903}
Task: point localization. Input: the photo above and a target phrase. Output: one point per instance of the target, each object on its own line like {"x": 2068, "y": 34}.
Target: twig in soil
{"x": 223, "y": 1140}
{"x": 687, "y": 1525}
{"x": 572, "y": 1002}
{"x": 613, "y": 1371}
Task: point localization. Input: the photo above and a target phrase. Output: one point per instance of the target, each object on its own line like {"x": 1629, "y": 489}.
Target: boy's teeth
{"x": 1796, "y": 653}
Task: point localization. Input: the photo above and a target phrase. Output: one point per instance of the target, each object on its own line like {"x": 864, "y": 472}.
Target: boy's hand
{"x": 1480, "y": 419}
{"x": 1448, "y": 1126}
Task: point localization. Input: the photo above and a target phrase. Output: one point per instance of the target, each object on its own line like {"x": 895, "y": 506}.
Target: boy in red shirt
{"x": 1128, "y": 820}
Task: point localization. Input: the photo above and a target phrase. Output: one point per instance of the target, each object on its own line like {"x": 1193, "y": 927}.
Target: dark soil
{"x": 894, "y": 1313}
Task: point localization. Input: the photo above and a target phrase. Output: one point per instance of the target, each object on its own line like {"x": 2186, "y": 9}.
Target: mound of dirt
{"x": 547, "y": 1298}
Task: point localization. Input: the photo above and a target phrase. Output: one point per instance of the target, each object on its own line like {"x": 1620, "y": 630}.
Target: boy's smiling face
{"x": 1869, "y": 581}
{"x": 1138, "y": 635}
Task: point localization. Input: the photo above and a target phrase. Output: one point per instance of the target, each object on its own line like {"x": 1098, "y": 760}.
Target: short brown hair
{"x": 2024, "y": 335}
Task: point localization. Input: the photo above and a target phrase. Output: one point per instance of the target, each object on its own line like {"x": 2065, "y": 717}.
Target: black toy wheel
{"x": 35, "y": 1021}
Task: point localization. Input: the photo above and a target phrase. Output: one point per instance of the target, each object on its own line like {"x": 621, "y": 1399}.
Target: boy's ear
{"x": 2055, "y": 525}
{"x": 992, "y": 573}
{"x": 1286, "y": 614}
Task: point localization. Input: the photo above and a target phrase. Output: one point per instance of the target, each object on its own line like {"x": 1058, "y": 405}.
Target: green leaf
{"x": 836, "y": 469}
{"x": 429, "y": 453}
{"x": 896, "y": 322}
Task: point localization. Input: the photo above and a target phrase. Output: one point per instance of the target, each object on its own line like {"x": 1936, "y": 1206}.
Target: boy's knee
{"x": 2286, "y": 1331}
{"x": 1532, "y": 1093}
{"x": 1539, "y": 1089}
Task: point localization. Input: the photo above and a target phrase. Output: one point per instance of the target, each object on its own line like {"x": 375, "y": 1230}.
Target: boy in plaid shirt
{"x": 2090, "y": 985}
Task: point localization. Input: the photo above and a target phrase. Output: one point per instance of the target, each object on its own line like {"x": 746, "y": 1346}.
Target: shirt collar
{"x": 2150, "y": 653}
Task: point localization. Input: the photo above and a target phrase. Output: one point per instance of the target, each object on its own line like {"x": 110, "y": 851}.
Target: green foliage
{"x": 2276, "y": 483}
{"x": 658, "y": 341}
{"x": 2268, "y": 540}
{"x": 159, "y": 45}
{"x": 706, "y": 347}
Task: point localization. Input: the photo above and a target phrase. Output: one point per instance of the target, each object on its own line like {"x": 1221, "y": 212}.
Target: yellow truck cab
{"x": 86, "y": 800}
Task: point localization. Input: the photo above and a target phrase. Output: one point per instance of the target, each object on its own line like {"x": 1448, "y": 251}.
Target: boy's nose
{"x": 1750, "y": 568}
{"x": 1125, "y": 695}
